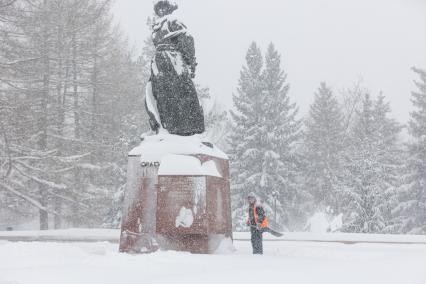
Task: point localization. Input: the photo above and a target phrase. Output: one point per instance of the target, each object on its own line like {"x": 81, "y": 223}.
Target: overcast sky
{"x": 336, "y": 41}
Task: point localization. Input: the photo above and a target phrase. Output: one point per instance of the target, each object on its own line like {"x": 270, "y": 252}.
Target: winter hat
{"x": 251, "y": 194}
{"x": 167, "y": 4}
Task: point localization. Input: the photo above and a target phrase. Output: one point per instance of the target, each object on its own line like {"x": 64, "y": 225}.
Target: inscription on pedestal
{"x": 181, "y": 205}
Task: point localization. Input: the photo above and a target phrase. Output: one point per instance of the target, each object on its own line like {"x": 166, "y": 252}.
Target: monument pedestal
{"x": 177, "y": 197}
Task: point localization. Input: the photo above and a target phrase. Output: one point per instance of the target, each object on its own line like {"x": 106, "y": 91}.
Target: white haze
{"x": 320, "y": 40}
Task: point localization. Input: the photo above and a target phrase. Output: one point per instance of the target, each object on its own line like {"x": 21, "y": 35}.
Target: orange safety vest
{"x": 265, "y": 222}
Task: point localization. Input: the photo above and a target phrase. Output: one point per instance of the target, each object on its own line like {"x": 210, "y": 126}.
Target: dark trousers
{"x": 257, "y": 241}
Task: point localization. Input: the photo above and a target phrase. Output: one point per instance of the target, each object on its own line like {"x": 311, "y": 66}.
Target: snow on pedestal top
{"x": 155, "y": 148}
{"x": 182, "y": 165}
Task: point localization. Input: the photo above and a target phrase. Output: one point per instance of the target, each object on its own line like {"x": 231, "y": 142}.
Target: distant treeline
{"x": 346, "y": 156}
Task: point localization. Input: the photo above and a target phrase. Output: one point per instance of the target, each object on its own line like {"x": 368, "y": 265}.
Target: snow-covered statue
{"x": 174, "y": 169}
{"x": 171, "y": 96}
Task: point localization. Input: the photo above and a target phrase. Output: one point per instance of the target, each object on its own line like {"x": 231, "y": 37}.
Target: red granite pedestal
{"x": 171, "y": 208}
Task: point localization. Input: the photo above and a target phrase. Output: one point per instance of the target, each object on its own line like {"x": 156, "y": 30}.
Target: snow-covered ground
{"x": 283, "y": 262}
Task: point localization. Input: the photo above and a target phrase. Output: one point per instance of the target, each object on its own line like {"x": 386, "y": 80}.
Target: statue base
{"x": 177, "y": 197}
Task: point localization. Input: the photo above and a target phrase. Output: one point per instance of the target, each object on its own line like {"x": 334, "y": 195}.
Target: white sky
{"x": 336, "y": 41}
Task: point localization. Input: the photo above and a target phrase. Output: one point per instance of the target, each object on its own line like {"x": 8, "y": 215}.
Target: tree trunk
{"x": 44, "y": 216}
{"x": 44, "y": 219}
{"x": 58, "y": 209}
{"x": 75, "y": 87}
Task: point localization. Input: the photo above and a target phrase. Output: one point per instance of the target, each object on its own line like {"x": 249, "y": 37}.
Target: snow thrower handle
{"x": 269, "y": 230}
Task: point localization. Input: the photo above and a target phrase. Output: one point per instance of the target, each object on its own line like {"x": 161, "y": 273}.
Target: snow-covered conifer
{"x": 372, "y": 167}
{"x": 324, "y": 142}
{"x": 263, "y": 138}
{"x": 411, "y": 210}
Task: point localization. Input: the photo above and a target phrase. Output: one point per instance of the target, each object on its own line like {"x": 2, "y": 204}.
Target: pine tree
{"x": 263, "y": 139}
{"x": 363, "y": 195}
{"x": 324, "y": 142}
{"x": 371, "y": 168}
{"x": 280, "y": 131}
{"x": 390, "y": 155}
{"x": 242, "y": 143}
{"x": 412, "y": 196}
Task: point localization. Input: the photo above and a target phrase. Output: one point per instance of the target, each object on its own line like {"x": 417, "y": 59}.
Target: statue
{"x": 171, "y": 97}
{"x": 177, "y": 193}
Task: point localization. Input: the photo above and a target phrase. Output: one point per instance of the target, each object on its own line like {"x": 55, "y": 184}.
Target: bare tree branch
{"x": 10, "y": 3}
{"x": 31, "y": 200}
